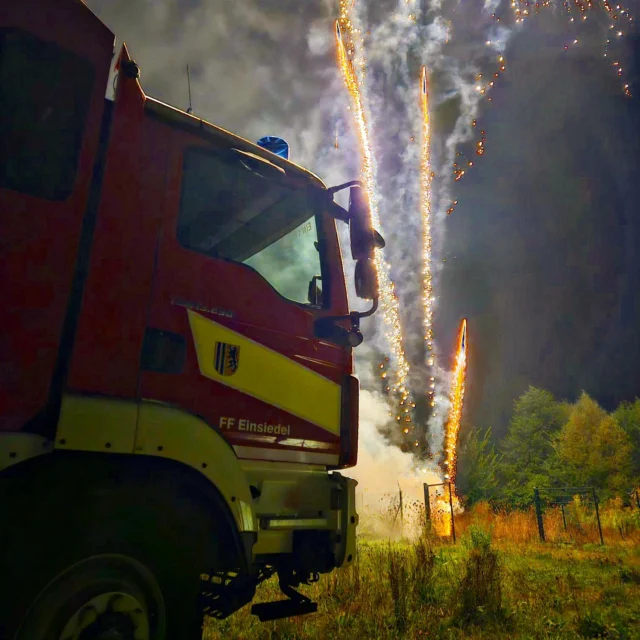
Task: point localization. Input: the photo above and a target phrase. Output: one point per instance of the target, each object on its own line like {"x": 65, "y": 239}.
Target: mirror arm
{"x": 366, "y": 314}
{"x": 334, "y": 209}
{"x": 337, "y": 212}
{"x": 327, "y": 329}
{"x": 346, "y": 185}
{"x": 355, "y": 316}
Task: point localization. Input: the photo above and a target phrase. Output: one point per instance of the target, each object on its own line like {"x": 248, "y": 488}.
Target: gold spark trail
{"x": 616, "y": 21}
{"x": 425, "y": 213}
{"x": 579, "y": 11}
{"x": 345, "y": 34}
{"x": 452, "y": 428}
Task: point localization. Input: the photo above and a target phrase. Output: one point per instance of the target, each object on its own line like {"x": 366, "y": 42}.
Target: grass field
{"x": 498, "y": 581}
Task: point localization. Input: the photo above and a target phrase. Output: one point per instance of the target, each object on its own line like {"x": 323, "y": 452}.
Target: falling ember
{"x": 600, "y": 10}
{"x": 452, "y": 427}
{"x": 425, "y": 214}
{"x": 388, "y": 298}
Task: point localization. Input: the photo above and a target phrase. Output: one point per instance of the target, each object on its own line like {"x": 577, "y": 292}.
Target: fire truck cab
{"x": 176, "y": 376}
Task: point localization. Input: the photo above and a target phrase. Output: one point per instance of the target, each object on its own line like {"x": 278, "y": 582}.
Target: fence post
{"x": 453, "y": 524}
{"x": 427, "y": 505}
{"x": 637, "y": 499}
{"x": 401, "y": 511}
{"x": 564, "y": 520}
{"x": 595, "y": 502}
{"x": 536, "y": 499}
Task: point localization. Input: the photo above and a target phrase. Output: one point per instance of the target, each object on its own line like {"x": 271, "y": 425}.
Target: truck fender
{"x": 155, "y": 429}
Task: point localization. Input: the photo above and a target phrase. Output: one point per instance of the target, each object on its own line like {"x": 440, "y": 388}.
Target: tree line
{"x": 550, "y": 443}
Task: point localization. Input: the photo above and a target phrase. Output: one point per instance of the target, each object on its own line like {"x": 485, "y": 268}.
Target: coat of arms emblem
{"x": 227, "y": 358}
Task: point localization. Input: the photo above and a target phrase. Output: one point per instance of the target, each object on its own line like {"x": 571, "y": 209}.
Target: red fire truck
{"x": 176, "y": 376}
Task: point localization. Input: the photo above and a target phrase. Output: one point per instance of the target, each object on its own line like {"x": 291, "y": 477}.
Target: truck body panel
{"x": 163, "y": 281}
{"x": 111, "y": 325}
{"x": 54, "y": 65}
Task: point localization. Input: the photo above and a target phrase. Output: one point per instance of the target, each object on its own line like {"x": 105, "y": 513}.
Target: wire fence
{"x": 572, "y": 515}
{"x": 405, "y": 513}
{"x": 577, "y": 508}
{"x": 390, "y": 514}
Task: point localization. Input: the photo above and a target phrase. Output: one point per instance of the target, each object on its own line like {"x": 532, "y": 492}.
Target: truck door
{"x": 230, "y": 330}
{"x": 54, "y": 64}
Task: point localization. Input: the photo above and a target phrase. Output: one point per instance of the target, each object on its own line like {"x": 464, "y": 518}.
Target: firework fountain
{"x": 347, "y": 60}
{"x": 466, "y": 71}
{"x": 452, "y": 429}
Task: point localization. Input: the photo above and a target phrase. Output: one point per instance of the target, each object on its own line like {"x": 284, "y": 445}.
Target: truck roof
{"x": 198, "y": 125}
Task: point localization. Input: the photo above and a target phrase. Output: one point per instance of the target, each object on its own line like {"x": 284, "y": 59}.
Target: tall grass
{"x": 619, "y": 523}
{"x": 480, "y": 591}
{"x": 499, "y": 581}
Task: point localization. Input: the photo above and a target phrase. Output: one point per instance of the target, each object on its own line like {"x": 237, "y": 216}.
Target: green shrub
{"x": 591, "y": 627}
{"x": 398, "y": 574}
{"x": 477, "y": 538}
{"x": 480, "y": 591}
{"x": 423, "y": 572}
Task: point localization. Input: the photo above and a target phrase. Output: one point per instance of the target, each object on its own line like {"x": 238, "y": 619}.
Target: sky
{"x": 545, "y": 241}
{"x": 541, "y": 253}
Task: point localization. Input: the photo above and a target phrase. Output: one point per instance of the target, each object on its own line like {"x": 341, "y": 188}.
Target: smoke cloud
{"x": 458, "y": 45}
{"x": 383, "y": 471}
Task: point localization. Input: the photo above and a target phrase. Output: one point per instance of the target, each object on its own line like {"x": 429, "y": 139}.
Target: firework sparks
{"x": 444, "y": 504}
{"x": 425, "y": 214}
{"x": 579, "y": 11}
{"x": 576, "y": 11}
{"x": 388, "y": 299}
{"x": 462, "y": 151}
{"x": 457, "y": 399}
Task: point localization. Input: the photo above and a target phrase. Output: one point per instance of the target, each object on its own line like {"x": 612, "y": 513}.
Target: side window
{"x": 45, "y": 93}
{"x": 233, "y": 209}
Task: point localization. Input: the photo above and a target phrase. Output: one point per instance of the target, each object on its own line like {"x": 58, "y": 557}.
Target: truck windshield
{"x": 234, "y": 209}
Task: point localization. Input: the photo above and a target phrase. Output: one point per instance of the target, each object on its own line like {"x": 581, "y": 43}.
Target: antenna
{"x": 190, "y": 109}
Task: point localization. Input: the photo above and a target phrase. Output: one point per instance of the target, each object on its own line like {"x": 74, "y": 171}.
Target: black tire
{"x": 103, "y": 596}
{"x": 125, "y": 536}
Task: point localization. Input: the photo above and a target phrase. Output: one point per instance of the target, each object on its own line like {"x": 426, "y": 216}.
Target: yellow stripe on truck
{"x": 267, "y": 375}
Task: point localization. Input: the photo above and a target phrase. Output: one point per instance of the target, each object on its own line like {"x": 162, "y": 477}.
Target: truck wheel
{"x": 106, "y": 596}
{"x": 121, "y": 563}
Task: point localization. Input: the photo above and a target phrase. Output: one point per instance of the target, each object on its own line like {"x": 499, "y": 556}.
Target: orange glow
{"x": 442, "y": 519}
{"x": 452, "y": 428}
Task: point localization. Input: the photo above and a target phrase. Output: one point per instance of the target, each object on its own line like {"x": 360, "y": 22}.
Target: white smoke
{"x": 383, "y": 471}
{"x": 259, "y": 67}
{"x": 398, "y": 41}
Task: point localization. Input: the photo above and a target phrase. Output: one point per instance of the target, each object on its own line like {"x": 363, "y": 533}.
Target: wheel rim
{"x": 108, "y": 616}
{"x": 106, "y": 597}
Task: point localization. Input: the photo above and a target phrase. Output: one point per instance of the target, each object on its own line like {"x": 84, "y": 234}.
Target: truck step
{"x": 283, "y": 609}
{"x": 222, "y": 593}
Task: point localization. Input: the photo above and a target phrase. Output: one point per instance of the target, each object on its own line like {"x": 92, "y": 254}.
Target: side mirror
{"x": 366, "y": 279}
{"x": 363, "y": 239}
